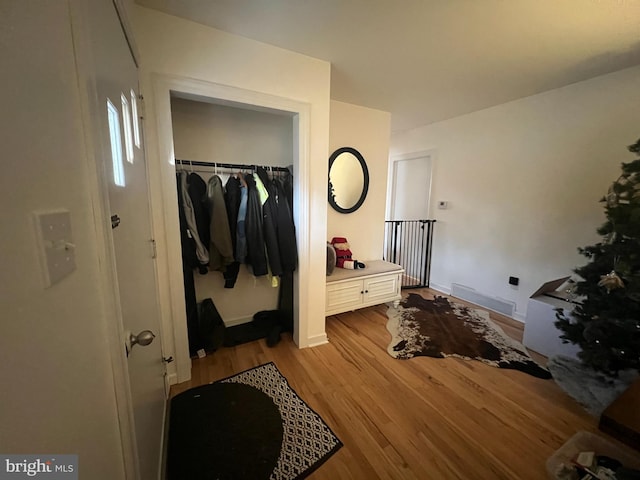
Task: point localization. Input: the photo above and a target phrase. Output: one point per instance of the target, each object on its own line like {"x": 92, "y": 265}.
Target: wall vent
{"x": 470, "y": 295}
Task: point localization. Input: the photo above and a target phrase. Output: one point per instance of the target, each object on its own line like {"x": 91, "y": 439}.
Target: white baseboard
{"x": 440, "y": 288}
{"x": 317, "y": 340}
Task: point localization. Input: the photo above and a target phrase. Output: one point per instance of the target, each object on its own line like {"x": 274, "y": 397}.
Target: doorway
{"x": 218, "y": 148}
{"x": 410, "y": 186}
{"x": 173, "y": 315}
{"x": 408, "y": 229}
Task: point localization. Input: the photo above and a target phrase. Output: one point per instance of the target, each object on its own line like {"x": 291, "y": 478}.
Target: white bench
{"x": 379, "y": 282}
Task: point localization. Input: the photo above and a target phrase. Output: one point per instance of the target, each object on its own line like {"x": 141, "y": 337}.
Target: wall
{"x": 57, "y": 383}
{"x": 368, "y": 131}
{"x": 217, "y": 133}
{"x": 172, "y": 47}
{"x": 523, "y": 181}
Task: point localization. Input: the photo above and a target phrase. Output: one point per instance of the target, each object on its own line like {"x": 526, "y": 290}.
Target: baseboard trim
{"x": 497, "y": 304}
{"x": 440, "y": 288}
{"x": 317, "y": 340}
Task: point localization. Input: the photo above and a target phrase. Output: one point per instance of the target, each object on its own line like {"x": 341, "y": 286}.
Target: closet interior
{"x": 234, "y": 178}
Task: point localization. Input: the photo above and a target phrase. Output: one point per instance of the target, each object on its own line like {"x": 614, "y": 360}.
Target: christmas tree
{"x": 606, "y": 324}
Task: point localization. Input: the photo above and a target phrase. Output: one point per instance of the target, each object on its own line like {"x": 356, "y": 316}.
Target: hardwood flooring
{"x": 422, "y": 418}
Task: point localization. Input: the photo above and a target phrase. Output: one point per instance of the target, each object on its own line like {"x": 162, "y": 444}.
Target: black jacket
{"x": 270, "y": 224}
{"x": 286, "y": 229}
{"x": 232, "y": 200}
{"x": 278, "y": 227}
{"x": 253, "y": 224}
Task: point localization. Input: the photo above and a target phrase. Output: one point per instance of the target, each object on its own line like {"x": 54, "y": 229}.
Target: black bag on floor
{"x": 210, "y": 326}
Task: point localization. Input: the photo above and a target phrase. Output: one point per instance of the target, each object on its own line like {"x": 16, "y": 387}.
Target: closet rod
{"x": 238, "y": 166}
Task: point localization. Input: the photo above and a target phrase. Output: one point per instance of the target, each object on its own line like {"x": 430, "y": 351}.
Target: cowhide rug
{"x": 441, "y": 328}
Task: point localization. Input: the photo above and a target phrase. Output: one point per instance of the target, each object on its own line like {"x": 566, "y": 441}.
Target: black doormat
{"x": 250, "y": 426}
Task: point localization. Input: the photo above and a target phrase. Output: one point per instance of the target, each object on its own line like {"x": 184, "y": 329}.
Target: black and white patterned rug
{"x": 251, "y": 425}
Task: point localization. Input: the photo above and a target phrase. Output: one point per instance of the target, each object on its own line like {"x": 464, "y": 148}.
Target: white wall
{"x": 523, "y": 181}
{"x": 57, "y": 391}
{"x": 174, "y": 47}
{"x": 368, "y": 131}
{"x": 218, "y": 133}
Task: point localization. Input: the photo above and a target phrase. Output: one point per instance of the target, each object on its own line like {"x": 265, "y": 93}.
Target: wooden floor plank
{"x": 422, "y": 418}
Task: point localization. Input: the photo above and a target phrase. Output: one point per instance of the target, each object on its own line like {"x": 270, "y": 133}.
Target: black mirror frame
{"x": 365, "y": 187}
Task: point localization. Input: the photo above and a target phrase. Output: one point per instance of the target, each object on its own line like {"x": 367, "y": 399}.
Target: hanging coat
{"x": 279, "y": 230}
{"x": 187, "y": 205}
{"x": 253, "y": 226}
{"x": 188, "y": 244}
{"x": 269, "y": 225}
{"x": 221, "y": 248}
{"x": 189, "y": 262}
{"x": 241, "y": 231}
{"x": 287, "y": 187}
{"x": 287, "y": 243}
{"x": 232, "y": 197}
{"x": 197, "y": 189}
{"x": 232, "y": 201}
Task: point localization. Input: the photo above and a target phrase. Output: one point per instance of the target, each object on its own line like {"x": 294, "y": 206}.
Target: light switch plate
{"x": 55, "y": 245}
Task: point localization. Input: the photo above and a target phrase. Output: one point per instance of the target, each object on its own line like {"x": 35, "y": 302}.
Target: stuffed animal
{"x": 343, "y": 254}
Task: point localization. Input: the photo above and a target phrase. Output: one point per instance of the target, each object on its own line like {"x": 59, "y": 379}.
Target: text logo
{"x": 49, "y": 467}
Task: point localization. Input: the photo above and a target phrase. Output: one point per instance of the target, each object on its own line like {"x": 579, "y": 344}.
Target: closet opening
{"x": 235, "y": 290}
{"x": 308, "y": 320}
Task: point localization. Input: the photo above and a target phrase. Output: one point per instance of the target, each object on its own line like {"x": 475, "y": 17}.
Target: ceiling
{"x": 429, "y": 60}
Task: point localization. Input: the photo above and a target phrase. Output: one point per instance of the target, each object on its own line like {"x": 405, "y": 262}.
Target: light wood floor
{"x": 422, "y": 418}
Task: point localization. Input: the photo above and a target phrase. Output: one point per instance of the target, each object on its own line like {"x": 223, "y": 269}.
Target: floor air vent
{"x": 470, "y": 295}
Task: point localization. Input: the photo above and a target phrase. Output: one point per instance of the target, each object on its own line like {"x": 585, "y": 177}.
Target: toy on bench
{"x": 343, "y": 254}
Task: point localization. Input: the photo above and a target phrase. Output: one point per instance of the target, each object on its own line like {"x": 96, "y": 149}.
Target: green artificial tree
{"x": 606, "y": 324}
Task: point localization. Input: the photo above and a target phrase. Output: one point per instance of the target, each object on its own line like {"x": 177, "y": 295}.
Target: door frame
{"x": 165, "y": 208}
{"x": 392, "y": 175}
{"x": 107, "y": 283}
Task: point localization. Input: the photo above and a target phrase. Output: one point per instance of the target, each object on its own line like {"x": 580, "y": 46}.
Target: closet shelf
{"x": 237, "y": 166}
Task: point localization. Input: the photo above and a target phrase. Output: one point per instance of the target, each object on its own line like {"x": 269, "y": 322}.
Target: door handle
{"x": 143, "y": 339}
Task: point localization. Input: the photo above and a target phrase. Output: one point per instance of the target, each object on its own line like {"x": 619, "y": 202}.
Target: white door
{"x": 410, "y": 187}
{"x": 409, "y": 197}
{"x": 125, "y": 174}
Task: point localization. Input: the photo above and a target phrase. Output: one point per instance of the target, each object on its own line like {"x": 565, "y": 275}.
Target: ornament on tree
{"x": 611, "y": 281}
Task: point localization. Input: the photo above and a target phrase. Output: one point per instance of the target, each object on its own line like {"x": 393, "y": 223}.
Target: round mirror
{"x": 348, "y": 180}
